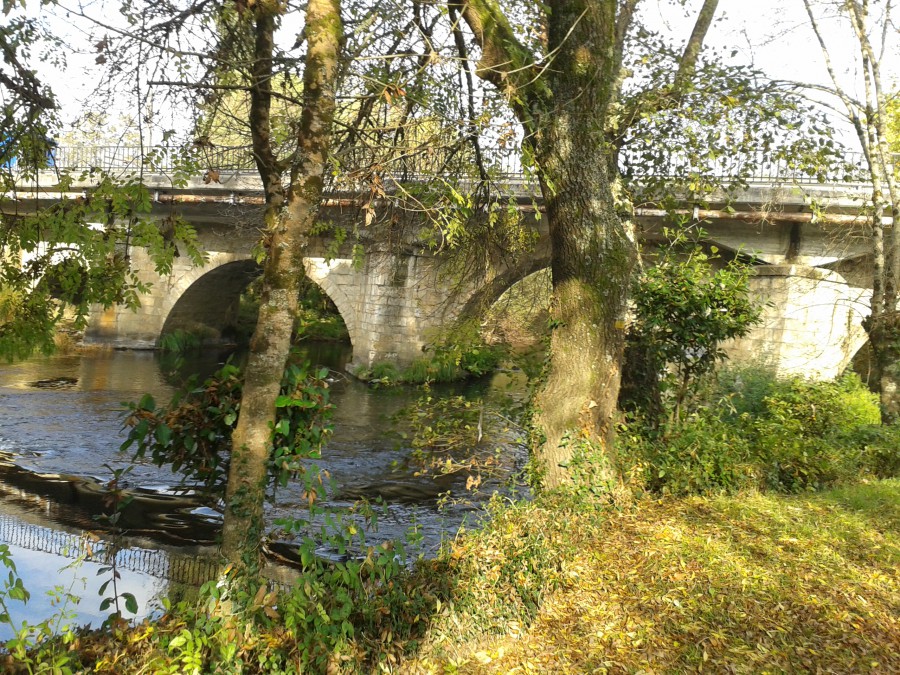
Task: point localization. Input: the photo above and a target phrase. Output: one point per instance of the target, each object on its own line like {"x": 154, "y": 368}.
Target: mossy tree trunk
{"x": 565, "y": 103}
{"x": 592, "y": 252}
{"x": 289, "y": 216}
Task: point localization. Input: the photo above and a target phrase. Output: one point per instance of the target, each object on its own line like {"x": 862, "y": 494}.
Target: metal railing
{"x": 178, "y": 568}
{"x": 422, "y": 163}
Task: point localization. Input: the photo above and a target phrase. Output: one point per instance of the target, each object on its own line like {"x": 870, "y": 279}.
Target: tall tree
{"x": 290, "y": 214}
{"x": 870, "y": 25}
{"x": 567, "y": 97}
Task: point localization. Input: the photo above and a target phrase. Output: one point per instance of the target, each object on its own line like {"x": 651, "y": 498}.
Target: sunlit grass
{"x": 752, "y": 583}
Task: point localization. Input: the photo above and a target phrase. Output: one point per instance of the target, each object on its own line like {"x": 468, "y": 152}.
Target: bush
{"x": 706, "y": 455}
{"x": 754, "y": 430}
{"x": 684, "y": 309}
{"x": 180, "y": 342}
{"x": 462, "y": 354}
{"x": 879, "y": 449}
{"x": 192, "y": 434}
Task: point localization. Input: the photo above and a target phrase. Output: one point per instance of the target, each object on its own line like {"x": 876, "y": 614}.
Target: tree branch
{"x": 694, "y": 46}
{"x": 261, "y": 103}
{"x": 505, "y": 62}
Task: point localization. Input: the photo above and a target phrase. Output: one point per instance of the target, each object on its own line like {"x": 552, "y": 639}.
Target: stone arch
{"x": 811, "y": 323}
{"x": 209, "y": 305}
{"x": 327, "y": 275}
{"x": 486, "y": 295}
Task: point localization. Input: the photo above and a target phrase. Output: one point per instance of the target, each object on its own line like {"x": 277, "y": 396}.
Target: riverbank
{"x": 749, "y": 583}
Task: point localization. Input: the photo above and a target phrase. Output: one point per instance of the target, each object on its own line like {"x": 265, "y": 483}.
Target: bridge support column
{"x": 401, "y": 304}
{"x": 811, "y": 324}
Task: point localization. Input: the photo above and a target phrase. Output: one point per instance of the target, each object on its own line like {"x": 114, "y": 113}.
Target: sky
{"x": 773, "y": 35}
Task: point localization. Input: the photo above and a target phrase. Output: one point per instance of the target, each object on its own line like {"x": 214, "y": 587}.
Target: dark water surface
{"x": 60, "y": 432}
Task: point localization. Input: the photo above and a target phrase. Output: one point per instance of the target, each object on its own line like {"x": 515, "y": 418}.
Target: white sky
{"x": 772, "y": 34}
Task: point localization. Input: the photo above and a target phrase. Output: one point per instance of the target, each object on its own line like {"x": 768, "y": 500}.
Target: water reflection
{"x": 61, "y": 427}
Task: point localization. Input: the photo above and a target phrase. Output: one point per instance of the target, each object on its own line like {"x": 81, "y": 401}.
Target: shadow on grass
{"x": 750, "y": 583}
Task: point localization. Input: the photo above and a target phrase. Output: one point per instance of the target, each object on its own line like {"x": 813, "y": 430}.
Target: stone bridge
{"x": 812, "y": 270}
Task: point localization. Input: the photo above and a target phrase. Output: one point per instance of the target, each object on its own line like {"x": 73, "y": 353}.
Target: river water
{"x": 60, "y": 432}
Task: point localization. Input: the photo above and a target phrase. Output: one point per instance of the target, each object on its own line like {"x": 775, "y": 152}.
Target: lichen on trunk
{"x": 289, "y": 218}
{"x": 565, "y": 103}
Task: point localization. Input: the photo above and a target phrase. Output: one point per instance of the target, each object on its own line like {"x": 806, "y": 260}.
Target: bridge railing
{"x": 176, "y": 567}
{"x": 420, "y": 163}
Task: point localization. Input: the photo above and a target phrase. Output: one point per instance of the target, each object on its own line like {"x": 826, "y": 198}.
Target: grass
{"x": 752, "y": 583}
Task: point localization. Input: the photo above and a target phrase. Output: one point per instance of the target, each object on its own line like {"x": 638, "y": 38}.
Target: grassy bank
{"x": 750, "y": 583}
{"x": 746, "y": 583}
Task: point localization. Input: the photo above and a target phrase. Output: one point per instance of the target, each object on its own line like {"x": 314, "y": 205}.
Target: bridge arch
{"x": 327, "y": 274}
{"x": 208, "y": 306}
{"x": 486, "y": 295}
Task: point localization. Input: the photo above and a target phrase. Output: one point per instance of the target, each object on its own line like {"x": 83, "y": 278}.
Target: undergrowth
{"x": 748, "y": 429}
{"x": 750, "y": 583}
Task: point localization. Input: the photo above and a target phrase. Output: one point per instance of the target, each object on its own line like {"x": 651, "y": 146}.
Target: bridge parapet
{"x": 396, "y": 300}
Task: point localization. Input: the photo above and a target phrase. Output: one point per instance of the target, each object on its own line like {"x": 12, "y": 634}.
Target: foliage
{"x": 705, "y": 454}
{"x": 320, "y": 325}
{"x": 180, "y": 342}
{"x": 44, "y": 647}
{"x": 813, "y": 434}
{"x": 75, "y": 253}
{"x": 684, "y": 309}
{"x": 317, "y": 317}
{"x": 753, "y": 430}
{"x": 460, "y": 354}
{"x": 774, "y": 583}
{"x": 730, "y": 125}
{"x": 193, "y": 432}
{"x": 519, "y": 317}
{"x": 116, "y": 500}
{"x": 456, "y": 436}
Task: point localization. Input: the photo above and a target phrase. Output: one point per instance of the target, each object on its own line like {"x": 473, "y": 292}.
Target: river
{"x": 60, "y": 432}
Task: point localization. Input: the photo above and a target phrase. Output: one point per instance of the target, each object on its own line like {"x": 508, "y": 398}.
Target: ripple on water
{"x": 62, "y": 416}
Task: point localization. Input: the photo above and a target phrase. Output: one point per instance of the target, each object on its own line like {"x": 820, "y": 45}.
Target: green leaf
{"x": 131, "y": 603}
{"x": 163, "y": 434}
{"x": 178, "y": 641}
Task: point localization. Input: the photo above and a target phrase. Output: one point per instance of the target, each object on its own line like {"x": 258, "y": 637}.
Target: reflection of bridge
{"x": 813, "y": 269}
{"x": 178, "y": 568}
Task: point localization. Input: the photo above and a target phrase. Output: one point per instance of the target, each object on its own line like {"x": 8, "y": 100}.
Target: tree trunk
{"x": 592, "y": 255}
{"x": 884, "y": 337}
{"x": 564, "y": 102}
{"x": 287, "y": 232}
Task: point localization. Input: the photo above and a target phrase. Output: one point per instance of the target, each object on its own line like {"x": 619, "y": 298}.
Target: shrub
{"x": 192, "y": 433}
{"x": 752, "y": 429}
{"x": 879, "y": 449}
{"x": 705, "y": 455}
{"x": 684, "y": 310}
{"x": 180, "y": 341}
